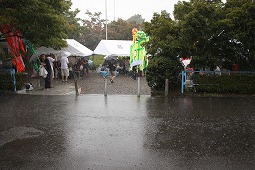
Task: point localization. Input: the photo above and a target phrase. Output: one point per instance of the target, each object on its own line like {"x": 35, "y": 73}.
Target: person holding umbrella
{"x": 46, "y": 63}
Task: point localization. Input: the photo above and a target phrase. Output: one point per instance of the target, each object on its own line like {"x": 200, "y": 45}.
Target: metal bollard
{"x": 76, "y": 87}
{"x": 166, "y": 87}
{"x": 105, "y": 87}
{"x": 138, "y": 86}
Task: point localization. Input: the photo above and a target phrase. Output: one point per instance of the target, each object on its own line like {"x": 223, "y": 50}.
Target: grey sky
{"x": 124, "y": 9}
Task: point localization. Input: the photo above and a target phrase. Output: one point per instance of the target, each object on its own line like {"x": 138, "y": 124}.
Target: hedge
{"x": 234, "y": 83}
{"x": 6, "y": 82}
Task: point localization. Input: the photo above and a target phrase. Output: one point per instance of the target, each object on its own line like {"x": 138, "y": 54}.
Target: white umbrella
{"x": 64, "y": 54}
{"x": 110, "y": 57}
{"x": 43, "y": 50}
{"x": 135, "y": 63}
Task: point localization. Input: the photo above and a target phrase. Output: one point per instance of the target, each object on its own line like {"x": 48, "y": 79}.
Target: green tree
{"x": 122, "y": 30}
{"x": 41, "y": 21}
{"x": 241, "y": 19}
{"x": 95, "y": 29}
{"x": 119, "y": 30}
{"x": 199, "y": 29}
{"x": 75, "y": 23}
{"x": 216, "y": 33}
{"x": 164, "y": 35}
{"x": 164, "y": 47}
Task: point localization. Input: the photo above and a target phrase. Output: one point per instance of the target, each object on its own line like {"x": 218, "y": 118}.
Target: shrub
{"x": 6, "y": 82}
{"x": 234, "y": 83}
{"x": 160, "y": 69}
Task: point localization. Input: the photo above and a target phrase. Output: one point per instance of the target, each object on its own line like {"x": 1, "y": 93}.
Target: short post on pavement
{"x": 76, "y": 87}
{"x": 166, "y": 87}
{"x": 138, "y": 86}
{"x": 105, "y": 87}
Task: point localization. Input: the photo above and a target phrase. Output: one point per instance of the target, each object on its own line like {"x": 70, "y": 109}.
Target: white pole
{"x": 76, "y": 87}
{"x": 106, "y": 19}
{"x": 138, "y": 86}
{"x": 114, "y": 10}
{"x": 105, "y": 87}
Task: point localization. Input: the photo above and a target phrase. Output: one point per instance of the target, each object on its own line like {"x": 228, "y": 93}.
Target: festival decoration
{"x": 13, "y": 39}
{"x": 134, "y": 31}
{"x": 137, "y": 50}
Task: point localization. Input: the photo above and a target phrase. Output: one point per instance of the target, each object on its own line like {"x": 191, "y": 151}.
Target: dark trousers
{"x": 133, "y": 74}
{"x": 48, "y": 80}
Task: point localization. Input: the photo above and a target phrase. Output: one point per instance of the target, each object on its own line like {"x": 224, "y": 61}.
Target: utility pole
{"x": 114, "y": 9}
{"x": 105, "y": 19}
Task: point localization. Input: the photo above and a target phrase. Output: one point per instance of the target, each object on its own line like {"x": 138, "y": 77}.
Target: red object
{"x": 235, "y": 67}
{"x": 134, "y": 31}
{"x": 13, "y": 39}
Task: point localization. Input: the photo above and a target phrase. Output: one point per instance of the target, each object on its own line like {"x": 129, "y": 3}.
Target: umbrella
{"x": 43, "y": 50}
{"x": 135, "y": 63}
{"x": 64, "y": 54}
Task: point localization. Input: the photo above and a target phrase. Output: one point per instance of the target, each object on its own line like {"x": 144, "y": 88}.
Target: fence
{"x": 188, "y": 78}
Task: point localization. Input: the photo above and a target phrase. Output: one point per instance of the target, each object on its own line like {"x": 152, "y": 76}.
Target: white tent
{"x": 76, "y": 48}
{"x": 113, "y": 48}
{"x": 73, "y": 47}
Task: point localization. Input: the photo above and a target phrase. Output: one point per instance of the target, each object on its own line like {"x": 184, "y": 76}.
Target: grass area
{"x": 97, "y": 60}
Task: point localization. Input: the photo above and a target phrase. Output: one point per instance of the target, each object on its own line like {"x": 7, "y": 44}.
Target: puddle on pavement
{"x": 20, "y": 132}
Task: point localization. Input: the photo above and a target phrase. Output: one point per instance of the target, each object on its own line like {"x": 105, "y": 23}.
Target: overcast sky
{"x": 124, "y": 9}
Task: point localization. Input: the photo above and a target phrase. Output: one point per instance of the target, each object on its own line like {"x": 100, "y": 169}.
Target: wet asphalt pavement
{"x": 125, "y": 132}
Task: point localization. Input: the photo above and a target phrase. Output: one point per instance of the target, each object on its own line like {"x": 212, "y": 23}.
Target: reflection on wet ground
{"x": 216, "y": 131}
{"x": 127, "y": 132}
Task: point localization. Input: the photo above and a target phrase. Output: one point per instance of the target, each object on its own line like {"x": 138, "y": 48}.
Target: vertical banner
{"x": 13, "y": 39}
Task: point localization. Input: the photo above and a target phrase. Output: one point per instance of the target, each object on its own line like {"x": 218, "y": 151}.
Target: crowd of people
{"x": 112, "y": 68}
{"x": 71, "y": 67}
{"x": 54, "y": 68}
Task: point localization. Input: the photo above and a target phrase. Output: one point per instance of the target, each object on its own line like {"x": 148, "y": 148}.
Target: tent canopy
{"x": 73, "y": 47}
{"x": 76, "y": 48}
{"x": 113, "y": 47}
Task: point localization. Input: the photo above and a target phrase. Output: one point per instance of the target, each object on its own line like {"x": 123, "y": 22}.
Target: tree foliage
{"x": 41, "y": 21}
{"x": 95, "y": 29}
{"x": 164, "y": 47}
{"x": 163, "y": 35}
{"x": 122, "y": 30}
{"x": 160, "y": 69}
{"x": 213, "y": 32}
{"x": 116, "y": 30}
{"x": 77, "y": 30}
